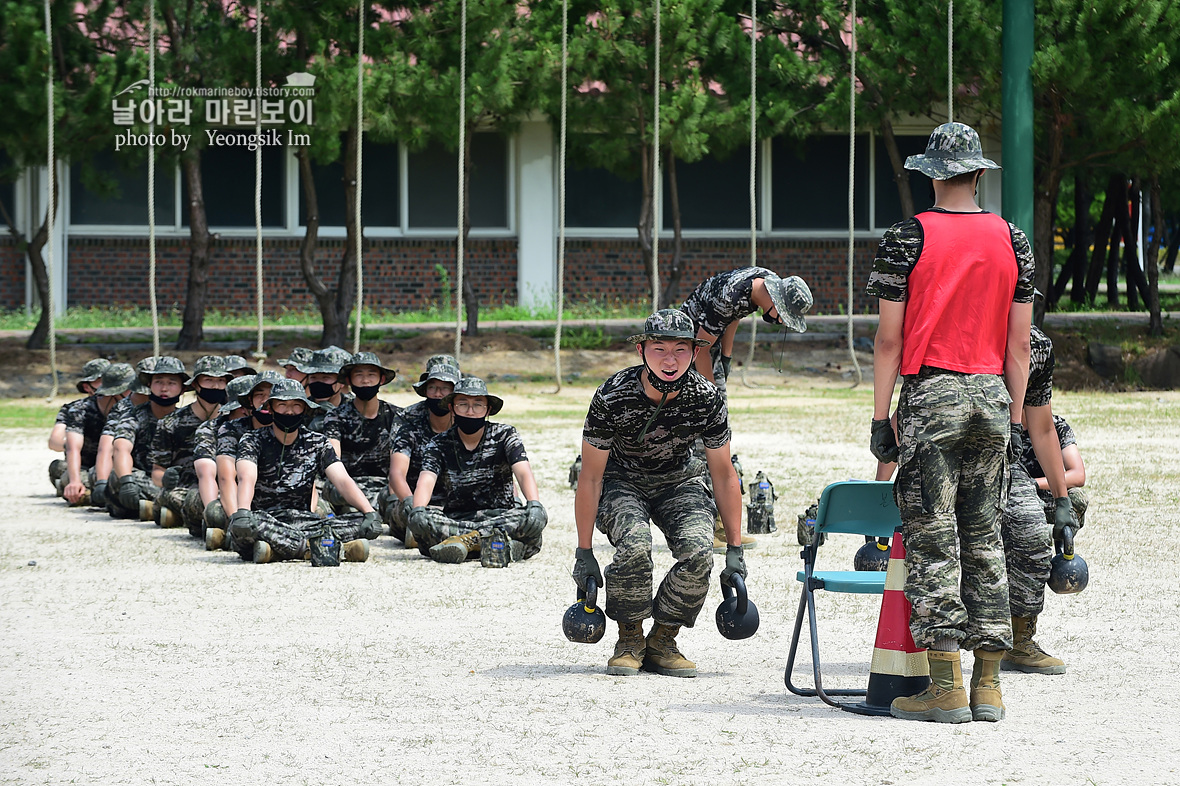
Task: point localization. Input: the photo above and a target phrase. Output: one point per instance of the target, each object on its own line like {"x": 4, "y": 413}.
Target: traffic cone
{"x": 898, "y": 668}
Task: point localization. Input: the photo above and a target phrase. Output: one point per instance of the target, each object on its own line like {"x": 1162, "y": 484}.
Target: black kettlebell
{"x": 584, "y": 622}
{"x": 873, "y": 555}
{"x": 737, "y": 616}
{"x": 1068, "y": 573}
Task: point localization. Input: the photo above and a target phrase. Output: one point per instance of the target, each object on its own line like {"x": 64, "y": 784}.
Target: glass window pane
{"x": 379, "y": 198}
{"x": 127, "y": 202}
{"x": 810, "y": 182}
{"x": 888, "y": 209}
{"x": 714, "y": 193}
{"x": 433, "y": 174}
{"x": 597, "y": 198}
{"x": 227, "y": 177}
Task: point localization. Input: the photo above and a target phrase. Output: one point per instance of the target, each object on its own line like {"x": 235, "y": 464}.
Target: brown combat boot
{"x": 456, "y": 548}
{"x": 214, "y": 538}
{"x": 663, "y": 657}
{"x": 168, "y": 518}
{"x": 262, "y": 552}
{"x": 986, "y": 704}
{"x": 945, "y": 701}
{"x": 410, "y": 542}
{"x": 629, "y": 650}
{"x": 147, "y": 510}
{"x": 355, "y": 551}
{"x": 1026, "y": 655}
{"x": 720, "y": 543}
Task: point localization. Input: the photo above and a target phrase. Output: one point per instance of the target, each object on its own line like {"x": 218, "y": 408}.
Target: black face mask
{"x": 321, "y": 390}
{"x": 470, "y": 425}
{"x": 213, "y": 395}
{"x": 768, "y": 319}
{"x": 365, "y": 392}
{"x": 163, "y": 401}
{"x": 264, "y": 417}
{"x": 288, "y": 423}
{"x": 437, "y": 407}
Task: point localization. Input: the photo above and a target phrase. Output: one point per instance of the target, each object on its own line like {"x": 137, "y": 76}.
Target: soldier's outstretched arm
{"x": 725, "y": 488}
{"x": 523, "y": 472}
{"x": 424, "y": 490}
{"x": 74, "y": 488}
{"x": 247, "y": 477}
{"x": 103, "y": 461}
{"x": 206, "y": 470}
{"x": 121, "y": 457}
{"x": 1047, "y": 447}
{"x": 887, "y": 356}
{"x": 347, "y": 487}
{"x": 1016, "y": 357}
{"x": 227, "y": 482}
{"x": 589, "y": 492}
{"x": 57, "y": 438}
{"x": 399, "y": 467}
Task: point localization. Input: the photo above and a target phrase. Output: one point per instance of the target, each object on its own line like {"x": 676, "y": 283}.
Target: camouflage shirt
{"x": 229, "y": 436}
{"x": 723, "y": 299}
{"x": 139, "y": 428}
{"x": 85, "y": 418}
{"x": 901, "y": 246}
{"x": 479, "y": 479}
{"x": 121, "y": 410}
{"x": 411, "y": 433}
{"x": 286, "y": 473}
{"x": 1065, "y": 436}
{"x": 620, "y": 409}
{"x": 315, "y": 420}
{"x": 63, "y": 411}
{"x": 1040, "y": 370}
{"x": 172, "y": 444}
{"x": 205, "y": 437}
{"x": 364, "y": 442}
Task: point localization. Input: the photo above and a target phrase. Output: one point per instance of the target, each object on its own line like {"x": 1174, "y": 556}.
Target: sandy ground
{"x": 128, "y": 654}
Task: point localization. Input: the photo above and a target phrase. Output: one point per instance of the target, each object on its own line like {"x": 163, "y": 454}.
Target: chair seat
{"x": 867, "y": 582}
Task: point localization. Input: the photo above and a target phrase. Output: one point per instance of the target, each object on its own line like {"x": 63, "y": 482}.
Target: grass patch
{"x": 18, "y": 414}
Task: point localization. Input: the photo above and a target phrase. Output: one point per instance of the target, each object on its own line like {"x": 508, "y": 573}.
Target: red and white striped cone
{"x": 899, "y": 667}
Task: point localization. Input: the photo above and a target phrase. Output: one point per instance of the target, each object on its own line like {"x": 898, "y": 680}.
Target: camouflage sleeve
{"x": 1025, "y": 264}
{"x": 126, "y": 427}
{"x": 432, "y": 460}
{"x": 161, "y": 450}
{"x": 900, "y": 247}
{"x": 1065, "y": 433}
{"x": 1040, "y": 370}
{"x": 400, "y": 441}
{"x": 248, "y": 447}
{"x": 716, "y": 433}
{"x": 513, "y": 446}
{"x": 63, "y": 413}
{"x": 332, "y": 428}
{"x": 599, "y": 431}
{"x": 73, "y": 416}
{"x": 204, "y": 439}
{"x": 326, "y": 456}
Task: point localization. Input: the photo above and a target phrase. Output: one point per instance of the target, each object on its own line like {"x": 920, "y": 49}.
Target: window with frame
{"x": 227, "y": 180}
{"x": 433, "y": 195}
{"x": 888, "y": 206}
{"x": 111, "y": 189}
{"x": 714, "y": 193}
{"x": 596, "y": 198}
{"x": 809, "y": 179}
{"x": 380, "y": 197}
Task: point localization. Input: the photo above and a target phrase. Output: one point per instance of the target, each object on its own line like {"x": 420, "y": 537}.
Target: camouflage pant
{"x": 185, "y": 502}
{"x": 389, "y": 506}
{"x": 718, "y": 370}
{"x": 1078, "y": 503}
{"x": 951, "y": 485}
{"x": 287, "y": 531}
{"x": 370, "y": 485}
{"x": 214, "y": 515}
{"x": 1028, "y": 544}
{"x": 684, "y": 511}
{"x": 441, "y": 526}
{"x": 144, "y": 488}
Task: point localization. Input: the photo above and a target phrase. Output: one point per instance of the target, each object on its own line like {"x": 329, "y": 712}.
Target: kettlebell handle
{"x": 737, "y": 584}
{"x": 591, "y": 596}
{"x": 1067, "y": 542}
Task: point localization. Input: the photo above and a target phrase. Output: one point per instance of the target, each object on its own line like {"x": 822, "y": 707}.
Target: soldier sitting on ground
{"x": 475, "y": 461}
{"x": 104, "y": 460}
{"x": 359, "y": 430}
{"x": 417, "y": 425}
{"x": 172, "y": 456}
{"x": 84, "y": 424}
{"x": 86, "y": 384}
{"x": 205, "y": 450}
{"x": 134, "y": 486}
{"x": 1075, "y": 473}
{"x": 237, "y": 366}
{"x": 277, "y": 468}
{"x": 323, "y": 383}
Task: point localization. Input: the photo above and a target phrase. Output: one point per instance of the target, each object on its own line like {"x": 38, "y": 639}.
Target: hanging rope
{"x": 753, "y": 174}
{"x": 462, "y": 173}
{"x": 259, "y": 353}
{"x": 852, "y": 189}
{"x": 950, "y": 61}
{"x": 565, "y": 9}
{"x": 655, "y": 175}
{"x": 360, "y": 136}
{"x": 51, "y": 170}
{"x": 152, "y": 180}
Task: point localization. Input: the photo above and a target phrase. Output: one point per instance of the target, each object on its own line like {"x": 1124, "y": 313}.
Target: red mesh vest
{"x": 959, "y": 293}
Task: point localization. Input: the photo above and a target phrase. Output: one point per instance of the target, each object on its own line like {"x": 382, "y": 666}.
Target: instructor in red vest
{"x": 955, "y": 286}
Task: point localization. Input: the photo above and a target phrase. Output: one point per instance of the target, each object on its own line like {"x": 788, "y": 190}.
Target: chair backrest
{"x": 861, "y": 507}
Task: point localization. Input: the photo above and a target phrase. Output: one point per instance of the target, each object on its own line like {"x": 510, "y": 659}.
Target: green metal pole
{"x": 1017, "y": 177}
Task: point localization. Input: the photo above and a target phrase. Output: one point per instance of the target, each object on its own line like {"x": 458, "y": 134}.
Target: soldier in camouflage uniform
{"x": 277, "y": 468}
{"x": 84, "y": 424}
{"x": 417, "y": 425}
{"x": 205, "y": 450}
{"x": 360, "y": 429}
{"x": 237, "y": 366}
{"x": 86, "y": 384}
{"x": 474, "y": 462}
{"x": 955, "y": 290}
{"x": 1075, "y": 473}
{"x": 637, "y": 467}
{"x": 173, "y": 458}
{"x": 323, "y": 383}
{"x": 290, "y": 365}
{"x": 104, "y": 460}
{"x": 134, "y": 486}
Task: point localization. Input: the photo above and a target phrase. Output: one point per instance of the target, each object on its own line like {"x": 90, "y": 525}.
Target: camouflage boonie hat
{"x": 298, "y": 355}
{"x": 367, "y": 359}
{"x": 236, "y": 388}
{"x": 92, "y": 371}
{"x": 238, "y": 363}
{"x": 444, "y": 372}
{"x": 792, "y": 299}
{"x": 116, "y": 380}
{"x": 954, "y": 149}
{"x": 208, "y": 366}
{"x": 324, "y": 361}
{"x": 668, "y": 323}
{"x": 441, "y": 360}
{"x": 474, "y": 386}
{"x": 164, "y": 364}
{"x": 265, "y": 378}
{"x": 290, "y": 390}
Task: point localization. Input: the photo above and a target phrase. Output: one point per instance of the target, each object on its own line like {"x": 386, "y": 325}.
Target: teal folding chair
{"x": 854, "y": 507}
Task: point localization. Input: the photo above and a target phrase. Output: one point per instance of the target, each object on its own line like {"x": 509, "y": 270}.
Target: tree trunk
{"x": 1081, "y": 233}
{"x": 1102, "y": 235}
{"x": 1155, "y": 322}
{"x": 643, "y": 228}
{"x": 1173, "y": 249}
{"x": 192, "y": 330}
{"x": 346, "y": 279}
{"x": 37, "y": 339}
{"x": 333, "y": 331}
{"x": 1136, "y": 283}
{"x": 1119, "y": 197}
{"x": 676, "y": 269}
{"x": 1045, "y": 210}
{"x": 470, "y": 301}
{"x": 901, "y": 176}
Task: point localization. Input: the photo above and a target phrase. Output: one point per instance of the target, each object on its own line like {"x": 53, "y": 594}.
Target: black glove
{"x": 241, "y": 523}
{"x": 371, "y": 525}
{"x": 535, "y": 519}
{"x": 404, "y": 507}
{"x": 883, "y": 442}
{"x": 726, "y": 362}
{"x": 171, "y": 478}
{"x": 98, "y": 495}
{"x": 1062, "y": 517}
{"x": 418, "y": 522}
{"x": 735, "y": 562}
{"x": 1015, "y": 443}
{"x": 586, "y": 566}
{"x": 129, "y": 493}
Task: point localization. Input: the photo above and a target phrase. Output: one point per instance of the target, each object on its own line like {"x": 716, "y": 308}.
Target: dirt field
{"x": 128, "y": 654}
